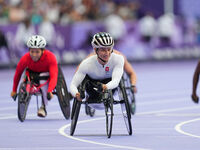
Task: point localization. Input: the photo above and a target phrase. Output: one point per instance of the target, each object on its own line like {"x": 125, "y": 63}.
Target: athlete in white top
{"x": 103, "y": 65}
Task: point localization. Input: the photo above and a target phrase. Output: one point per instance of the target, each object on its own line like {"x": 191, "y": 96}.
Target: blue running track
{"x": 166, "y": 118}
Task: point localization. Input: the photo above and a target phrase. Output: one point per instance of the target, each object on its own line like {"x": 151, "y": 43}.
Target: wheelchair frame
{"x": 27, "y": 89}
{"x": 108, "y": 102}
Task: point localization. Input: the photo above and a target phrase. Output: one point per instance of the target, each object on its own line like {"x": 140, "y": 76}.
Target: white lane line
{"x": 62, "y": 132}
{"x": 62, "y": 129}
{"x": 32, "y": 106}
{"x": 162, "y": 101}
{"x": 54, "y": 148}
{"x": 167, "y": 110}
{"x": 140, "y": 103}
{"x": 162, "y": 93}
{"x": 142, "y": 113}
{"x": 30, "y": 115}
{"x": 178, "y": 127}
{"x": 180, "y": 115}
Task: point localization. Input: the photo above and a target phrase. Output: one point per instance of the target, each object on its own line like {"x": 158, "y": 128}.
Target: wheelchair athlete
{"x": 105, "y": 67}
{"x": 38, "y": 62}
{"x": 127, "y": 68}
{"x": 131, "y": 74}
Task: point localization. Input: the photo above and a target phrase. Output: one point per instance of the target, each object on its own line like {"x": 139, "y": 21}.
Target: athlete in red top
{"x": 39, "y": 60}
{"x": 46, "y": 63}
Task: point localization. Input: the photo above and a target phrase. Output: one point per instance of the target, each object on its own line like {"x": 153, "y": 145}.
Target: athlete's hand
{"x": 195, "y": 98}
{"x": 13, "y": 95}
{"x": 104, "y": 87}
{"x": 78, "y": 97}
{"x": 134, "y": 88}
{"x": 49, "y": 95}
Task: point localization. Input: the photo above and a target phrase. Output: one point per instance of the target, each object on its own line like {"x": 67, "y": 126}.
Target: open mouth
{"x": 34, "y": 58}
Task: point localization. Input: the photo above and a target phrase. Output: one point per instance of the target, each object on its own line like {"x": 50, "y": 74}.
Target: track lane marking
{"x": 178, "y": 127}
{"x": 62, "y": 132}
{"x": 62, "y": 129}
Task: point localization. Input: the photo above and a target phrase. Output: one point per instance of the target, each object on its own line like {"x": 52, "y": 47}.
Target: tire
{"x": 131, "y": 100}
{"x": 63, "y": 95}
{"x": 130, "y": 94}
{"x": 86, "y": 109}
{"x": 23, "y": 102}
{"x": 125, "y": 107}
{"x": 75, "y": 114}
{"x": 109, "y": 114}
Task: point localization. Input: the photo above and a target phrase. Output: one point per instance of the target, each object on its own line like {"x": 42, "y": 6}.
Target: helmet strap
{"x": 99, "y": 57}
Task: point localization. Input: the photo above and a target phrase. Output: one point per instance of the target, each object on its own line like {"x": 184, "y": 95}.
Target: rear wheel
{"x": 130, "y": 94}
{"x": 131, "y": 100}
{"x": 63, "y": 95}
{"x": 23, "y": 102}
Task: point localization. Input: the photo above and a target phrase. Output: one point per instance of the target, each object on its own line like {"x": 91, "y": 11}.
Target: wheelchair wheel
{"x": 130, "y": 94}
{"x": 74, "y": 117}
{"x": 125, "y": 107}
{"x": 131, "y": 99}
{"x": 63, "y": 95}
{"x": 23, "y": 102}
{"x": 109, "y": 114}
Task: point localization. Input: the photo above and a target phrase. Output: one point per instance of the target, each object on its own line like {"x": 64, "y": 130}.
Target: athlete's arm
{"x": 117, "y": 73}
{"x": 19, "y": 70}
{"x": 129, "y": 70}
{"x": 53, "y": 72}
{"x": 76, "y": 81}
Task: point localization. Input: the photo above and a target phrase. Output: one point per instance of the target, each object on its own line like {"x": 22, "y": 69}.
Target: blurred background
{"x": 143, "y": 30}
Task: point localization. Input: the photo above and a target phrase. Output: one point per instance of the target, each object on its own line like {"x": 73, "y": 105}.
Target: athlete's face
{"x": 104, "y": 53}
{"x": 35, "y": 53}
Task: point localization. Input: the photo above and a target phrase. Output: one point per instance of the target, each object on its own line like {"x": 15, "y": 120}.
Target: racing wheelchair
{"x": 108, "y": 101}
{"x": 130, "y": 94}
{"x": 28, "y": 87}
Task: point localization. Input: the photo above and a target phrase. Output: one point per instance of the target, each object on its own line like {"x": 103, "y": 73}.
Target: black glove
{"x": 99, "y": 87}
{"x": 49, "y": 95}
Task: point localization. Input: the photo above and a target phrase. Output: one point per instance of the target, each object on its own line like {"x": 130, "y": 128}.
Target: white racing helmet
{"x": 36, "y": 41}
{"x": 101, "y": 40}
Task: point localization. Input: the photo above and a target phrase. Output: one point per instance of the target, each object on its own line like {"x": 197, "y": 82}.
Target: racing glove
{"x": 13, "y": 95}
{"x": 49, "y": 95}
